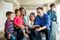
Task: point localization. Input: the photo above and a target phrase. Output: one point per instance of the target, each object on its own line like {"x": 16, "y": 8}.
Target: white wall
{"x": 4, "y": 6}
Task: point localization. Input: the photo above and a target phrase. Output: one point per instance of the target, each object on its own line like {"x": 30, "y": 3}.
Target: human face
{"x": 32, "y": 17}
{"x": 53, "y": 8}
{"x": 9, "y": 17}
{"x": 23, "y": 11}
{"x": 39, "y": 12}
{"x": 18, "y": 13}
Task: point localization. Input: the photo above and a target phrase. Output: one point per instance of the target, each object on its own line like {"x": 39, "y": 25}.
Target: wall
{"x": 4, "y": 6}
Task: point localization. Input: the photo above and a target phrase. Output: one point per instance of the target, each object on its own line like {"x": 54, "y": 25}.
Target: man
{"x": 52, "y": 14}
{"x": 43, "y": 20}
{"x": 53, "y": 18}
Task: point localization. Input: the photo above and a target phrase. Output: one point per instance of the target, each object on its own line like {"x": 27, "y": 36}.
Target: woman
{"x": 31, "y": 27}
{"x": 23, "y": 12}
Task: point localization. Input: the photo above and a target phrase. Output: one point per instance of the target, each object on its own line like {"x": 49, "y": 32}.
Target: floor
{"x": 2, "y": 36}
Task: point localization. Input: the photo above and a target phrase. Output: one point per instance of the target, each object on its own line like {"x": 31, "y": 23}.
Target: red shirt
{"x": 18, "y": 20}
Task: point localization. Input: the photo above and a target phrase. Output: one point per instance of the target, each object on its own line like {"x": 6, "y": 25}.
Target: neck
{"x": 17, "y": 16}
{"x": 32, "y": 20}
{"x": 8, "y": 19}
{"x": 41, "y": 15}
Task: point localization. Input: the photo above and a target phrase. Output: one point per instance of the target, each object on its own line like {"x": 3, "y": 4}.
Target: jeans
{"x": 38, "y": 36}
{"x": 53, "y": 31}
{"x": 32, "y": 35}
{"x": 20, "y": 35}
{"x": 12, "y": 37}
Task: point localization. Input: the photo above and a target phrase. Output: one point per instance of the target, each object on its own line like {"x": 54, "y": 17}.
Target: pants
{"x": 47, "y": 33}
{"x": 20, "y": 35}
{"x": 32, "y": 35}
{"x": 35, "y": 35}
{"x": 53, "y": 31}
{"x": 11, "y": 38}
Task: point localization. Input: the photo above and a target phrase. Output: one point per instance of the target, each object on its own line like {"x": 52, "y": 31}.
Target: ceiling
{"x": 34, "y": 2}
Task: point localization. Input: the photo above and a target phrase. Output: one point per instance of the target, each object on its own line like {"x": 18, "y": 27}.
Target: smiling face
{"x": 23, "y": 11}
{"x": 53, "y": 8}
{"x": 18, "y": 13}
{"x": 32, "y": 17}
{"x": 39, "y": 12}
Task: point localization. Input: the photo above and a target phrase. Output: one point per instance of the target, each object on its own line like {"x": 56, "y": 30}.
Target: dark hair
{"x": 21, "y": 8}
{"x": 40, "y": 8}
{"x": 31, "y": 14}
{"x": 16, "y": 10}
{"x": 52, "y": 5}
{"x": 8, "y": 13}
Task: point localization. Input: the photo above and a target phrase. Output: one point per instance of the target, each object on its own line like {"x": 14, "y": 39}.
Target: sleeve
{"x": 6, "y": 25}
{"x": 48, "y": 13}
{"x": 5, "y": 28}
{"x": 16, "y": 21}
{"x": 47, "y": 22}
{"x": 36, "y": 22}
{"x": 55, "y": 16}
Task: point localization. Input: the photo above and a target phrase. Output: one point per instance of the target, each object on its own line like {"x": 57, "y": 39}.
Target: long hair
{"x": 30, "y": 15}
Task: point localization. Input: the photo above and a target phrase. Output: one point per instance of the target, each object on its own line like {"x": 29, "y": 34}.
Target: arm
{"x": 47, "y": 23}
{"x": 36, "y": 21}
{"x": 5, "y": 28}
{"x": 55, "y": 16}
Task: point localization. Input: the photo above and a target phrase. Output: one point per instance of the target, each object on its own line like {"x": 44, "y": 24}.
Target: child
{"x": 9, "y": 29}
{"x": 19, "y": 21}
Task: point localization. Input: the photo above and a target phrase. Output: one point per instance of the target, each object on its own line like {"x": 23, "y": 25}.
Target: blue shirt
{"x": 52, "y": 14}
{"x": 42, "y": 21}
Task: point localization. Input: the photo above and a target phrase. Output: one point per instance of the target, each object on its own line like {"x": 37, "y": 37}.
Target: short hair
{"x": 52, "y": 5}
{"x": 8, "y": 13}
{"x": 40, "y": 8}
{"x": 16, "y": 10}
{"x": 21, "y": 8}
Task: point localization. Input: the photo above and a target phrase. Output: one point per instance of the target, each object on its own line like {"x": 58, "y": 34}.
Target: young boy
{"x": 9, "y": 29}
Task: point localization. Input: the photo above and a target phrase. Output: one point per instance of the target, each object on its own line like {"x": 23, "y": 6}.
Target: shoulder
{"x": 16, "y": 18}
{"x": 46, "y": 15}
{"x": 37, "y": 16}
{"x": 6, "y": 22}
{"x": 48, "y": 10}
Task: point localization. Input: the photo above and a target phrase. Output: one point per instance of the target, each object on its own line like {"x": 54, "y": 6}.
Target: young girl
{"x": 19, "y": 21}
{"x": 31, "y": 20}
{"x": 31, "y": 26}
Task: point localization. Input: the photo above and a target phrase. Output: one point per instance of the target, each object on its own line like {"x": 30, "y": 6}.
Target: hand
{"x": 22, "y": 27}
{"x": 28, "y": 31}
{"x": 33, "y": 27}
{"x": 9, "y": 36}
{"x": 38, "y": 29}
